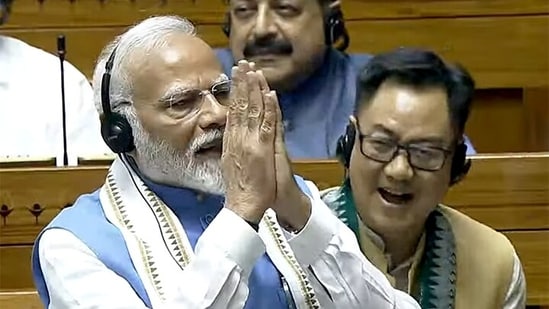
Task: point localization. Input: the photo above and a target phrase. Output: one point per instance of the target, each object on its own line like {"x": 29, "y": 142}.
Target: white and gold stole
{"x": 159, "y": 247}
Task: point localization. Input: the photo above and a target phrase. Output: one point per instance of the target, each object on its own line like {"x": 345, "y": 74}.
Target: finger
{"x": 237, "y": 77}
{"x": 268, "y": 126}
{"x": 262, "y": 81}
{"x": 238, "y": 99}
{"x": 229, "y": 123}
{"x": 244, "y": 66}
{"x": 255, "y": 102}
{"x": 279, "y": 128}
{"x": 236, "y": 80}
{"x": 226, "y": 137}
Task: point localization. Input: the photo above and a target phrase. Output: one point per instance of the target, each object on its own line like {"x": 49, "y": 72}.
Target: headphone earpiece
{"x": 334, "y": 29}
{"x": 460, "y": 164}
{"x": 345, "y": 145}
{"x": 117, "y": 133}
{"x": 115, "y": 128}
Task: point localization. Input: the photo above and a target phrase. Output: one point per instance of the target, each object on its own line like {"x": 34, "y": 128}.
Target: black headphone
{"x": 334, "y": 28}
{"x": 460, "y": 163}
{"x": 115, "y": 128}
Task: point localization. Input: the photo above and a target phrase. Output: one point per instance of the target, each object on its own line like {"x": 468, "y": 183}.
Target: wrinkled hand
{"x": 248, "y": 159}
{"x": 292, "y": 206}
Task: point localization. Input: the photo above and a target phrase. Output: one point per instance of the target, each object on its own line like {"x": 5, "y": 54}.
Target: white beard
{"x": 163, "y": 163}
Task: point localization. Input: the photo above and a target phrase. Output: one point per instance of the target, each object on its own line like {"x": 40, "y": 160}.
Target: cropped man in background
{"x": 31, "y": 106}
{"x": 300, "y": 46}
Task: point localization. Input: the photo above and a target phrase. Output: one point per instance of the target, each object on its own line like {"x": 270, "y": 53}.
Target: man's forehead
{"x": 157, "y": 85}
{"x": 187, "y": 48}
{"x": 182, "y": 58}
{"x": 204, "y": 81}
{"x": 392, "y": 97}
{"x": 408, "y": 111}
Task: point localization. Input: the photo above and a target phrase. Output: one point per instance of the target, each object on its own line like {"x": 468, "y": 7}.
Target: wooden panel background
{"x": 508, "y": 193}
{"x": 504, "y": 43}
{"x": 27, "y": 299}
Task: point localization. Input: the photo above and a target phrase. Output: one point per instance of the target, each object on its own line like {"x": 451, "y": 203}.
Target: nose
{"x": 399, "y": 168}
{"x": 213, "y": 115}
{"x": 264, "y": 24}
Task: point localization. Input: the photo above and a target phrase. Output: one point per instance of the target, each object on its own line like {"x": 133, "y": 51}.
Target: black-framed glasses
{"x": 384, "y": 150}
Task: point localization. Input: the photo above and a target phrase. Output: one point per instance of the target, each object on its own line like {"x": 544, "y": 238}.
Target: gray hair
{"x": 145, "y": 36}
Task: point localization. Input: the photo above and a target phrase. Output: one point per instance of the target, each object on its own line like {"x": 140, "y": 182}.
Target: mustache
{"x": 212, "y": 136}
{"x": 264, "y": 47}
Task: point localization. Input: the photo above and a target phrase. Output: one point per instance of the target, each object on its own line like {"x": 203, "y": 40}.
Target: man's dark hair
{"x": 419, "y": 69}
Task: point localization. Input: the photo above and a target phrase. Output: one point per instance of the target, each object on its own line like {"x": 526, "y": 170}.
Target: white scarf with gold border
{"x": 159, "y": 247}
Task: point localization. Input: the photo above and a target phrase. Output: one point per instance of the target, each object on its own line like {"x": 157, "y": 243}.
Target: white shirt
{"x": 217, "y": 275}
{"x": 31, "y": 108}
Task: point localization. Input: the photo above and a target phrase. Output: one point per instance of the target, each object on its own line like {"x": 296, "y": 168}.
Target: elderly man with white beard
{"x": 200, "y": 209}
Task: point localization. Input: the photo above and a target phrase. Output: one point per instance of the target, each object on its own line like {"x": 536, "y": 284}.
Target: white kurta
{"x": 223, "y": 259}
{"x": 31, "y": 109}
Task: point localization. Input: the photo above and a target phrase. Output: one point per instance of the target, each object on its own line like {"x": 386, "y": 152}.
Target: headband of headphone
{"x": 460, "y": 163}
{"x": 115, "y": 128}
{"x": 334, "y": 28}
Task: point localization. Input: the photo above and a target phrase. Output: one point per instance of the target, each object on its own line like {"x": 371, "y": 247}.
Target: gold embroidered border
{"x": 305, "y": 286}
{"x": 169, "y": 230}
{"x": 119, "y": 209}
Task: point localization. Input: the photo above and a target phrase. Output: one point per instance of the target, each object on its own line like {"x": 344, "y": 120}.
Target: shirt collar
{"x": 380, "y": 244}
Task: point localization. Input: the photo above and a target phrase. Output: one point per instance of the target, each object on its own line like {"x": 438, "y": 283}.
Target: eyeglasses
{"x": 189, "y": 101}
{"x": 384, "y": 150}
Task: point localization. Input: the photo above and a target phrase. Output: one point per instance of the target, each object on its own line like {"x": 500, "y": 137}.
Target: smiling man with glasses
{"x": 403, "y": 149}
